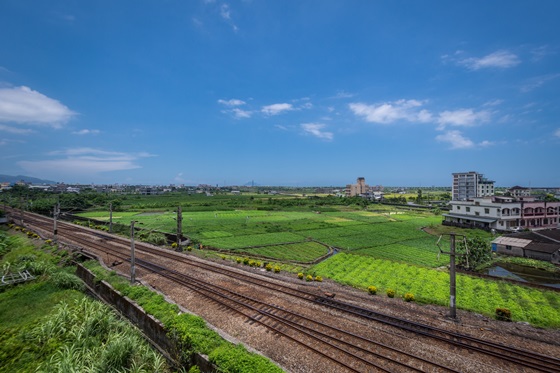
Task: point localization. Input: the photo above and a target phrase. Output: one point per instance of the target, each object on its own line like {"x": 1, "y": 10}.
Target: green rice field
{"x": 385, "y": 235}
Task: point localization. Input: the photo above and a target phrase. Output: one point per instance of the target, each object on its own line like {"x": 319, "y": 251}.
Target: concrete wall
{"x": 152, "y": 328}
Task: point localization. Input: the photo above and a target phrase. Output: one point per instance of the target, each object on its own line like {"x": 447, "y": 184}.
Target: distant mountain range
{"x": 27, "y": 179}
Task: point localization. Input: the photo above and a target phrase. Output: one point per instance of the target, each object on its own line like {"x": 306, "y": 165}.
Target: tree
{"x": 419, "y": 197}
{"x": 476, "y": 252}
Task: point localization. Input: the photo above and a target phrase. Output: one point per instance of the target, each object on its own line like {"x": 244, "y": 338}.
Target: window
{"x": 458, "y": 207}
{"x": 508, "y": 247}
{"x": 468, "y": 209}
{"x": 477, "y": 213}
{"x": 486, "y": 211}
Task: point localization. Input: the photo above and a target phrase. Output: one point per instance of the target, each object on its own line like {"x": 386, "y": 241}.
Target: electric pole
{"x": 55, "y": 217}
{"x": 452, "y": 275}
{"x": 21, "y": 208}
{"x": 452, "y": 283}
{"x": 132, "y": 265}
{"x": 111, "y": 217}
{"x": 179, "y": 227}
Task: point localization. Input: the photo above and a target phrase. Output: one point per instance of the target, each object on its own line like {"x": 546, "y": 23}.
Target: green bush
{"x": 372, "y": 290}
{"x": 308, "y": 278}
{"x": 503, "y": 314}
{"x": 268, "y": 267}
{"x": 277, "y": 269}
{"x": 318, "y": 278}
{"x": 408, "y": 297}
{"x": 300, "y": 276}
{"x": 238, "y": 360}
{"x": 65, "y": 280}
{"x": 390, "y": 293}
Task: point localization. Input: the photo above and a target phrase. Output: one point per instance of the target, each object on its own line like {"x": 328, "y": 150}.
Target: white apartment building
{"x": 468, "y": 185}
{"x": 504, "y": 213}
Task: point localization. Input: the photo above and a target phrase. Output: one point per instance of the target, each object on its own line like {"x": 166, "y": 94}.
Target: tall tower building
{"x": 357, "y": 189}
{"x": 468, "y": 185}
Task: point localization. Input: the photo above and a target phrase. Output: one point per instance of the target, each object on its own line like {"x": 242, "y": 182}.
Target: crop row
{"x": 538, "y": 307}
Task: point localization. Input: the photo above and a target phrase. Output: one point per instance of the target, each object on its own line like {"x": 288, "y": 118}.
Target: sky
{"x": 280, "y": 92}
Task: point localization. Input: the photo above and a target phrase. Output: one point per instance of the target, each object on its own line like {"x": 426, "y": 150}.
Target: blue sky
{"x": 297, "y": 93}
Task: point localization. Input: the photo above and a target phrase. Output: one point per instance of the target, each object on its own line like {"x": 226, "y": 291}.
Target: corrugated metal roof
{"x": 511, "y": 241}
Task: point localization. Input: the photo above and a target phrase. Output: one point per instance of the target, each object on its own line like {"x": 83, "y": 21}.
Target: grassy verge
{"x": 49, "y": 325}
{"x": 189, "y": 331}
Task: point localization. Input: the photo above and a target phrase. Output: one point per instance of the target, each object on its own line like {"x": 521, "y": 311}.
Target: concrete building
{"x": 518, "y": 191}
{"x": 504, "y": 213}
{"x": 468, "y": 185}
{"x": 358, "y": 189}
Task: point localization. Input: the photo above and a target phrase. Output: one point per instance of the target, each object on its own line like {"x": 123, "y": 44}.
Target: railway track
{"x": 281, "y": 320}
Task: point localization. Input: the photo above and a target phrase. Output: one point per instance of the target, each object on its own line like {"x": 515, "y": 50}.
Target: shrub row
{"x": 309, "y": 278}
{"x": 408, "y": 297}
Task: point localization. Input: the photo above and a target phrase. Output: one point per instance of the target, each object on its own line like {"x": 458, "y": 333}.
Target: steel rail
{"x": 539, "y": 362}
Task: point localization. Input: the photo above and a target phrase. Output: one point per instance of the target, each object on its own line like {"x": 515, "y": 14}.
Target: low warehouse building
{"x": 541, "y": 245}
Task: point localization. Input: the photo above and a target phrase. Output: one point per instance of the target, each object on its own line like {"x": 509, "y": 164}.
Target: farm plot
{"x": 395, "y": 237}
{"x": 252, "y": 240}
{"x": 302, "y": 252}
{"x": 538, "y": 307}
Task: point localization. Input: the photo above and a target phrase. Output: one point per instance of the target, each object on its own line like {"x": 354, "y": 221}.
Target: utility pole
{"x": 179, "y": 227}
{"x": 452, "y": 275}
{"x": 55, "y": 217}
{"x": 111, "y": 217}
{"x": 452, "y": 283}
{"x": 21, "y": 208}
{"x": 132, "y": 264}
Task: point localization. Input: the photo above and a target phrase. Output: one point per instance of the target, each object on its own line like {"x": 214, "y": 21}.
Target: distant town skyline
{"x": 308, "y": 93}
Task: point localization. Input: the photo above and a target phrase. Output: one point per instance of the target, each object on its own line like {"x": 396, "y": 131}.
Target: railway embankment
{"x": 152, "y": 328}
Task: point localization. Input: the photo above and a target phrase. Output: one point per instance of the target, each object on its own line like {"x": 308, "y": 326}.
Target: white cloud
{"x": 390, "y": 112}
{"x": 316, "y": 129}
{"x": 343, "y": 94}
{"x": 493, "y": 102}
{"x": 541, "y": 52}
{"x": 84, "y": 161}
{"x": 462, "y": 117}
{"x": 24, "y": 105}
{"x": 276, "y": 109}
{"x": 538, "y": 81}
{"x": 238, "y": 113}
{"x": 86, "y": 132}
{"x": 14, "y": 130}
{"x": 456, "y": 139}
{"x": 232, "y": 102}
{"x": 557, "y": 133}
{"x": 225, "y": 12}
{"x": 500, "y": 59}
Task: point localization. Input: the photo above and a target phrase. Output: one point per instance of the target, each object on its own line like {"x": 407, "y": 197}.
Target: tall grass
{"x": 87, "y": 336}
